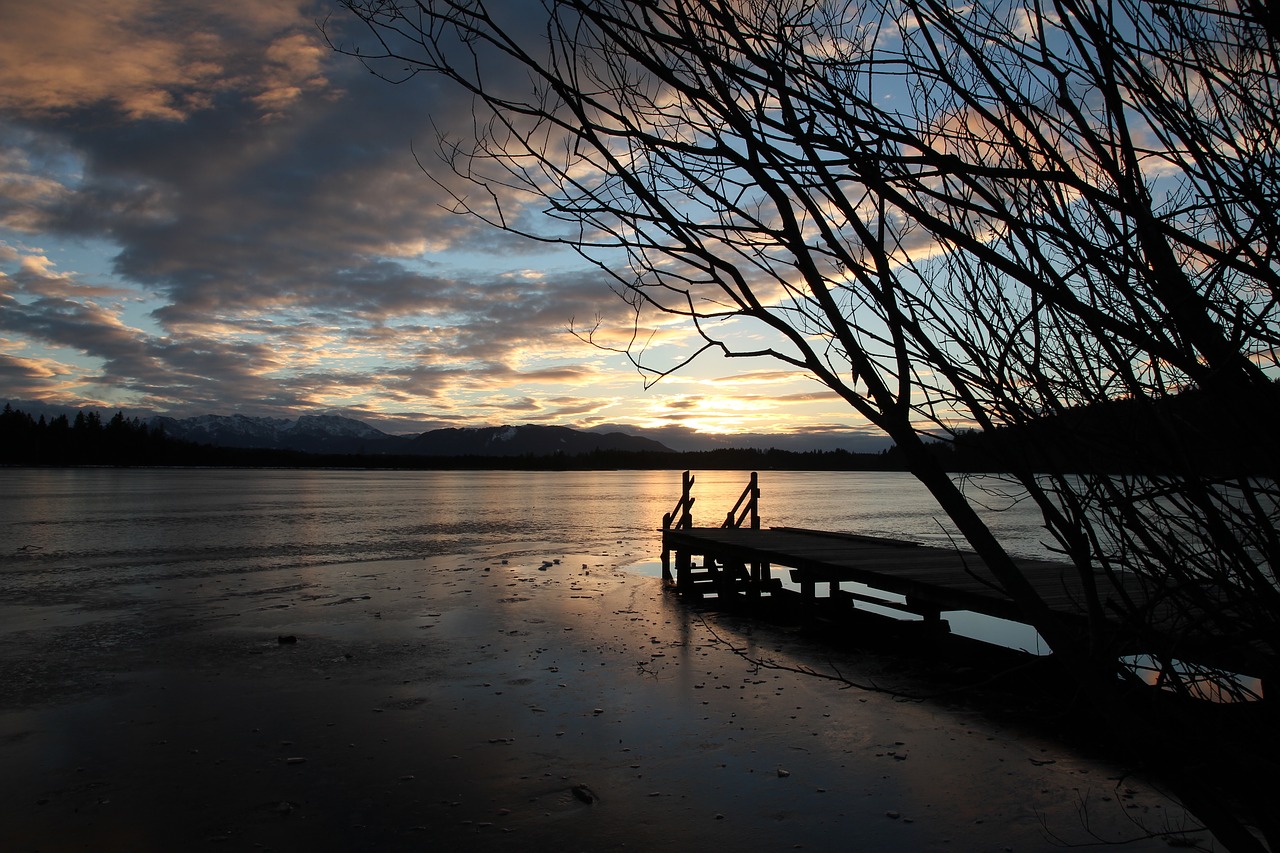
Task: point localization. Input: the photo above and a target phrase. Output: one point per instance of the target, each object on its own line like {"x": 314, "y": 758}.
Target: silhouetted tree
{"x": 986, "y": 215}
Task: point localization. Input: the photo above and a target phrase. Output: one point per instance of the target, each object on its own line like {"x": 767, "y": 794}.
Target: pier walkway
{"x": 739, "y": 560}
{"x": 917, "y": 579}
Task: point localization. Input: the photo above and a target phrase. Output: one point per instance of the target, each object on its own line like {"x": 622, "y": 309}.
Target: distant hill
{"x": 86, "y": 438}
{"x": 334, "y": 434}
{"x": 340, "y": 433}
{"x": 528, "y": 440}
{"x": 306, "y": 433}
{"x": 1196, "y": 431}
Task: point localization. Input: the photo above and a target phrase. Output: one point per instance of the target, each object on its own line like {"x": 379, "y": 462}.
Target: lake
{"x": 100, "y": 526}
{"x": 284, "y": 659}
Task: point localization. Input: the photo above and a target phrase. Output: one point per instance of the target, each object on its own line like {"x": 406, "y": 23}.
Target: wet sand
{"x": 497, "y": 700}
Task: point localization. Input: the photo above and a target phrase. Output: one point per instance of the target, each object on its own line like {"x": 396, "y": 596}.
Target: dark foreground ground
{"x": 490, "y": 702}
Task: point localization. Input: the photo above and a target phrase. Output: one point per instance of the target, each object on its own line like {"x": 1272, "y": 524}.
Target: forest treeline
{"x": 87, "y": 439}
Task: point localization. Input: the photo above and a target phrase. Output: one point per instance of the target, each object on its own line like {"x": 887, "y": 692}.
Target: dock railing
{"x": 746, "y": 512}
{"x": 680, "y": 518}
{"x": 747, "y": 507}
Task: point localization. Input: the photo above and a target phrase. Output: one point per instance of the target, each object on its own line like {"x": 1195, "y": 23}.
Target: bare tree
{"x": 1053, "y": 216}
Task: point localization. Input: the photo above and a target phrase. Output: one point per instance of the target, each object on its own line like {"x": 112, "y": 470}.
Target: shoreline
{"x": 498, "y": 700}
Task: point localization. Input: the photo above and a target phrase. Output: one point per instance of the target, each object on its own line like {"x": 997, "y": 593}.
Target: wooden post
{"x": 686, "y": 497}
{"x": 759, "y": 571}
{"x": 667, "y": 580}
{"x": 682, "y": 518}
{"x": 930, "y": 616}
{"x": 684, "y": 572}
{"x": 761, "y": 577}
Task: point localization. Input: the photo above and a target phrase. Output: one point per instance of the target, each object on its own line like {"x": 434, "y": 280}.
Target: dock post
{"x": 686, "y": 500}
{"x": 667, "y": 580}
{"x": 930, "y": 617}
{"x": 684, "y": 572}
{"x": 681, "y": 518}
{"x": 759, "y": 571}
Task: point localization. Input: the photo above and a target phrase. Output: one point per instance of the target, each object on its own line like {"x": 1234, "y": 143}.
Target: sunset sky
{"x": 205, "y": 210}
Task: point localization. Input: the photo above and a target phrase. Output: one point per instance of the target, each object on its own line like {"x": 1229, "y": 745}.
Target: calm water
{"x": 132, "y": 526}
{"x": 114, "y": 583}
{"x": 135, "y": 518}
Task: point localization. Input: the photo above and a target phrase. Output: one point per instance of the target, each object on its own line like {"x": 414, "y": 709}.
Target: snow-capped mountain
{"x": 527, "y": 440}
{"x": 309, "y": 433}
{"x": 337, "y": 434}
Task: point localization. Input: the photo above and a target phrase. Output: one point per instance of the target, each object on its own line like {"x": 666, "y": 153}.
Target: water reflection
{"x": 195, "y": 513}
{"x": 1203, "y": 682}
{"x": 132, "y": 527}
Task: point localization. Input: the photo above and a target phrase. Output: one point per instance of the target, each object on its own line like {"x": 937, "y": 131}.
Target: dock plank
{"x": 931, "y": 580}
{"x": 934, "y": 577}
{"x": 926, "y": 580}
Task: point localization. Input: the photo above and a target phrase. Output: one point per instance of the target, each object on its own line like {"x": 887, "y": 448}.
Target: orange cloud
{"x": 80, "y": 53}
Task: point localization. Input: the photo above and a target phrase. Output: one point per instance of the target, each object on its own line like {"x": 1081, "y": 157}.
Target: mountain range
{"x": 337, "y": 434}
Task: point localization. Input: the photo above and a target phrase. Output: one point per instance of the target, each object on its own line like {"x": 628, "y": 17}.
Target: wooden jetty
{"x": 737, "y": 560}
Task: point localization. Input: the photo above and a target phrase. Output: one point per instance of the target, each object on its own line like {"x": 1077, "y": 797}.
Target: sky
{"x": 205, "y": 210}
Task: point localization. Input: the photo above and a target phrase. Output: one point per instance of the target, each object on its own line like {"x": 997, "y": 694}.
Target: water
{"x": 148, "y": 693}
{"x": 145, "y": 517}
{"x": 64, "y": 529}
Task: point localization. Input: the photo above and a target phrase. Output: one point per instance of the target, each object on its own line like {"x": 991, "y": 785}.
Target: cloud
{"x": 154, "y": 59}
{"x": 265, "y": 190}
{"x": 31, "y": 377}
{"x": 203, "y": 208}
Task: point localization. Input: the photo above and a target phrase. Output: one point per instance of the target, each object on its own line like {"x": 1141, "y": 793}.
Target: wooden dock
{"x": 739, "y": 560}
{"x": 902, "y": 576}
